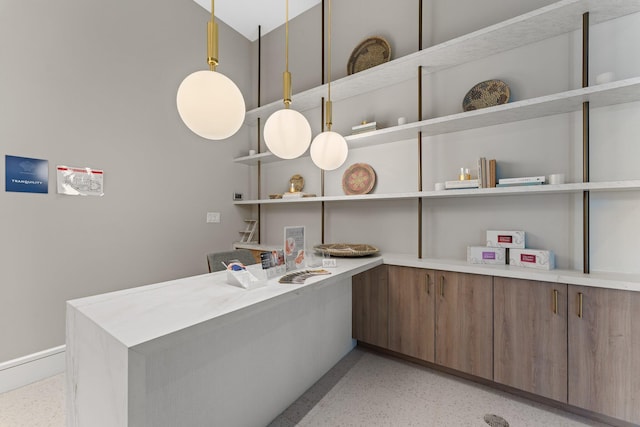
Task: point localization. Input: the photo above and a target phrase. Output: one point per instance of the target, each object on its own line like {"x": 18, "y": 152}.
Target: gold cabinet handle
{"x": 580, "y": 297}
{"x": 442, "y": 286}
{"x": 555, "y": 301}
{"x": 428, "y": 279}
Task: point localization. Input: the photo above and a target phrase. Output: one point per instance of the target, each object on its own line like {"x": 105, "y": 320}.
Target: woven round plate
{"x": 369, "y": 53}
{"x": 359, "y": 178}
{"x": 486, "y": 94}
{"x": 346, "y": 249}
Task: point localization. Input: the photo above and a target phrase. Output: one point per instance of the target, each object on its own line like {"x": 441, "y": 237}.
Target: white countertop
{"x": 138, "y": 315}
{"x": 628, "y": 282}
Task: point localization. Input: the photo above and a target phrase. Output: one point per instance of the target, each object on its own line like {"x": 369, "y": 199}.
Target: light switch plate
{"x": 213, "y": 217}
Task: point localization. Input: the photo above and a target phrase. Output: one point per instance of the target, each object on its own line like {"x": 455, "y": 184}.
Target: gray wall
{"x": 93, "y": 83}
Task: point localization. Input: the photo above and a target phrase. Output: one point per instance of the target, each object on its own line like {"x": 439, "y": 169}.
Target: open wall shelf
{"x": 603, "y": 95}
{"x": 630, "y": 185}
{"x": 550, "y": 21}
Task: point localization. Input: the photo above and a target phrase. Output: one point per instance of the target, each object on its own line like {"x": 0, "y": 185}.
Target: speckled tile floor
{"x": 39, "y": 404}
{"x": 363, "y": 389}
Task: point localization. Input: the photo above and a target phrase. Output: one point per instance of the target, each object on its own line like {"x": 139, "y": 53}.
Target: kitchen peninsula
{"x": 198, "y": 351}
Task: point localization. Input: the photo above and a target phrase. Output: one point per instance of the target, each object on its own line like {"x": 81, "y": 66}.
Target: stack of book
{"x": 522, "y": 181}
{"x": 466, "y": 183}
{"x": 486, "y": 172}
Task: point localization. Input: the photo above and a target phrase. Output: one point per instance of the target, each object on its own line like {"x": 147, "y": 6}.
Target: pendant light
{"x": 287, "y": 133}
{"x": 209, "y": 103}
{"x": 329, "y": 149}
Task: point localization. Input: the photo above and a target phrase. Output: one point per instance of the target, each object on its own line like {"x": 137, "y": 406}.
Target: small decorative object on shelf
{"x": 296, "y": 183}
{"x": 486, "y": 94}
{"x": 364, "y": 127}
{"x": 465, "y": 175}
{"x": 346, "y": 249}
{"x": 246, "y": 236}
{"x": 359, "y": 178}
{"x": 369, "y": 53}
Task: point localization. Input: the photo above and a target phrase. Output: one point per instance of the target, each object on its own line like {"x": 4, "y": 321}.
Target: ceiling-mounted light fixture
{"x": 287, "y": 132}
{"x": 209, "y": 103}
{"x": 329, "y": 149}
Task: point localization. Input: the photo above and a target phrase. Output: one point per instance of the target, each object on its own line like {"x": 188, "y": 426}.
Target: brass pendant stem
{"x": 212, "y": 45}
{"x": 329, "y": 109}
{"x": 212, "y": 41}
{"x": 286, "y": 85}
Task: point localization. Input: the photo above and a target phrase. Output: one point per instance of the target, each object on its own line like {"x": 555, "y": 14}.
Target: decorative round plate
{"x": 369, "y": 53}
{"x": 346, "y": 249}
{"x": 359, "y": 178}
{"x": 486, "y": 94}
{"x": 297, "y": 181}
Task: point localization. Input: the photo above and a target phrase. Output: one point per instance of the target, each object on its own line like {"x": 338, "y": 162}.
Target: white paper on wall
{"x": 76, "y": 181}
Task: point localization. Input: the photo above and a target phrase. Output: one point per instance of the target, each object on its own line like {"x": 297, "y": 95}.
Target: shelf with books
{"x": 629, "y": 185}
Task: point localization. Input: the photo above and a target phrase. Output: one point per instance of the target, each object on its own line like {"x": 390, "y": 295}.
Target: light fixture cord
{"x": 329, "y": 104}
{"x": 286, "y": 76}
{"x": 212, "y": 40}
{"x": 286, "y": 37}
{"x": 329, "y": 70}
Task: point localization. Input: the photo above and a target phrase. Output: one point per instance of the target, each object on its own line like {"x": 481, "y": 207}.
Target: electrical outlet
{"x": 238, "y": 196}
{"x": 213, "y": 217}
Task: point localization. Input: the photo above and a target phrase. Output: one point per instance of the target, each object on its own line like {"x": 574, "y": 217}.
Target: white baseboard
{"x": 31, "y": 368}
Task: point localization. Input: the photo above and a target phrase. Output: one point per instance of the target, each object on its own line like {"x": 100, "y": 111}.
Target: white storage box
{"x": 505, "y": 239}
{"x": 486, "y": 255}
{"x": 532, "y": 258}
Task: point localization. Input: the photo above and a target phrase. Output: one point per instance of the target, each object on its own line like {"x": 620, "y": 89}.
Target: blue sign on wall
{"x": 26, "y": 175}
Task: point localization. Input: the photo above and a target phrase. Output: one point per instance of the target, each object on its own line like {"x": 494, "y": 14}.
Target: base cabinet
{"x": 412, "y": 312}
{"x": 370, "y": 307}
{"x": 604, "y": 351}
{"x": 464, "y": 322}
{"x": 573, "y": 344}
{"x": 530, "y": 336}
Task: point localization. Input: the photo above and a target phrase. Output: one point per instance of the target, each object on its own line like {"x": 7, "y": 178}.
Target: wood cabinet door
{"x": 604, "y": 351}
{"x": 412, "y": 312}
{"x": 464, "y": 323}
{"x": 369, "y": 306}
{"x": 530, "y": 336}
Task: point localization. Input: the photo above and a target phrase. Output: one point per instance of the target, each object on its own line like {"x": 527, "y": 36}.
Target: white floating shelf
{"x": 550, "y": 21}
{"x": 480, "y": 192}
{"x": 603, "y": 95}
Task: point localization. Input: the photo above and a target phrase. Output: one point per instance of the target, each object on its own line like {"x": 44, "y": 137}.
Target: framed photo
{"x": 294, "y": 245}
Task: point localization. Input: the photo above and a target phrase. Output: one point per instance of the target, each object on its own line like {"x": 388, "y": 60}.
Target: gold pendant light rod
{"x": 212, "y": 41}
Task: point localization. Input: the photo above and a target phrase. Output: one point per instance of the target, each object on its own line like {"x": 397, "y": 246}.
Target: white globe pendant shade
{"x": 329, "y": 150}
{"x": 210, "y": 104}
{"x": 287, "y": 134}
